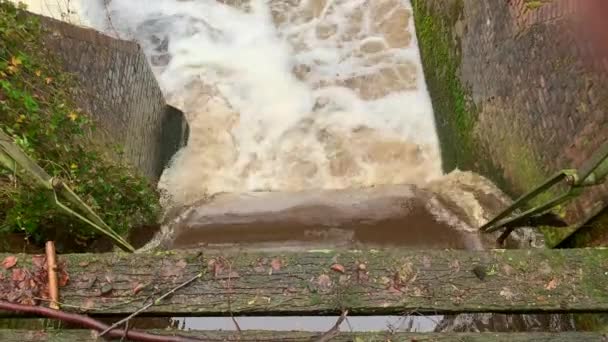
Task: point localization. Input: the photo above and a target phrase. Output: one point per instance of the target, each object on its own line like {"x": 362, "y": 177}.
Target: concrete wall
{"x": 119, "y": 90}
{"x": 519, "y": 91}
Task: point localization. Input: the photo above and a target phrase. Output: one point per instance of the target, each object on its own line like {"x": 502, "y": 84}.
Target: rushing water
{"x": 287, "y": 95}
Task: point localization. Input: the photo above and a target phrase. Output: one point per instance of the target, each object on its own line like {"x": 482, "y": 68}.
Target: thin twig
{"x": 91, "y": 323}
{"x": 156, "y": 301}
{"x": 236, "y": 324}
{"x": 335, "y": 330}
{"x": 124, "y": 336}
{"x": 52, "y": 275}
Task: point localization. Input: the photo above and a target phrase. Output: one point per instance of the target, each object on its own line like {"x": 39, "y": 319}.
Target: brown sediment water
{"x": 378, "y": 216}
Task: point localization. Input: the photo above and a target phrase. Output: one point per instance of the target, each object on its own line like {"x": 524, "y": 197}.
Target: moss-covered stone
{"x": 454, "y": 113}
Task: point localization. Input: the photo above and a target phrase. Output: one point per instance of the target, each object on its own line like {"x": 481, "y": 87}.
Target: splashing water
{"x": 285, "y": 94}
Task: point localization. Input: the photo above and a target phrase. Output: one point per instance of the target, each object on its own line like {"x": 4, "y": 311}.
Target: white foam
{"x": 320, "y": 94}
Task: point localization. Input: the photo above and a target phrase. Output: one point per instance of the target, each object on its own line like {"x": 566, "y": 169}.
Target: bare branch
{"x": 91, "y": 323}
{"x": 335, "y": 330}
{"x": 145, "y": 307}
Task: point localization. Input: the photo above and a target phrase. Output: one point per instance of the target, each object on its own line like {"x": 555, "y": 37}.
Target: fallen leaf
{"x": 276, "y": 264}
{"x": 39, "y": 260}
{"x": 551, "y": 284}
{"x": 137, "y": 288}
{"x": 505, "y": 292}
{"x": 426, "y": 261}
{"x": 63, "y": 278}
{"x": 83, "y": 264}
{"x": 455, "y": 264}
{"x": 15, "y": 61}
{"x": 18, "y": 274}
{"x": 181, "y": 264}
{"x": 106, "y": 288}
{"x": 48, "y": 80}
{"x": 337, "y": 268}
{"x": 27, "y": 301}
{"x": 88, "y": 304}
{"x": 9, "y": 262}
{"x": 38, "y": 73}
{"x": 384, "y": 280}
{"x": 324, "y": 281}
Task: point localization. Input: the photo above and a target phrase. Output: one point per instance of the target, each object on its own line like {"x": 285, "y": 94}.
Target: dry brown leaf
{"x": 18, "y": 274}
{"x": 551, "y": 284}
{"x": 9, "y": 262}
{"x": 276, "y": 264}
{"x": 337, "y": 268}
{"x": 39, "y": 260}
{"x": 426, "y": 261}
{"x": 63, "y": 278}
{"x": 324, "y": 281}
{"x": 507, "y": 293}
{"x": 137, "y": 288}
{"x": 15, "y": 61}
{"x": 88, "y": 304}
{"x": 181, "y": 264}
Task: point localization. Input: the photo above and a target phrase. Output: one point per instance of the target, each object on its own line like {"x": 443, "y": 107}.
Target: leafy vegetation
{"x": 37, "y": 109}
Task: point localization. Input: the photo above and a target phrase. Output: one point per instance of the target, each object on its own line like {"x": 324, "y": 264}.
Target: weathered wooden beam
{"x": 278, "y": 336}
{"x": 326, "y": 282}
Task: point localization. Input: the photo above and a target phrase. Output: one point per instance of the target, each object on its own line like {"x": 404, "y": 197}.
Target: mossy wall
{"x": 517, "y": 94}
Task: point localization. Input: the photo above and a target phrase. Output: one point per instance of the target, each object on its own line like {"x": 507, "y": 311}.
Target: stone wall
{"x": 519, "y": 91}
{"x": 120, "y": 92}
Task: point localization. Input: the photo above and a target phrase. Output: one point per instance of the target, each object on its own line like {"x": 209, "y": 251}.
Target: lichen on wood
{"x": 367, "y": 282}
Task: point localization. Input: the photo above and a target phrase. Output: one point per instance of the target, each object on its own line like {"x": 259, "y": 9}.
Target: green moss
{"x": 37, "y": 109}
{"x": 593, "y": 232}
{"x": 454, "y": 114}
{"x": 535, "y": 4}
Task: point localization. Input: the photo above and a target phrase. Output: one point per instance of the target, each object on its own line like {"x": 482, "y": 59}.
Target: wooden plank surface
{"x": 326, "y": 282}
{"x": 86, "y": 335}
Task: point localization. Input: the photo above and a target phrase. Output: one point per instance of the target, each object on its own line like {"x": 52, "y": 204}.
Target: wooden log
{"x": 278, "y": 336}
{"x": 326, "y": 282}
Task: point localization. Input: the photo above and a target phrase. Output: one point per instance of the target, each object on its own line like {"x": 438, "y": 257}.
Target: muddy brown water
{"x": 381, "y": 216}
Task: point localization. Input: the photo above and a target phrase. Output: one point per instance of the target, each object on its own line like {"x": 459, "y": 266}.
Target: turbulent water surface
{"x": 287, "y": 95}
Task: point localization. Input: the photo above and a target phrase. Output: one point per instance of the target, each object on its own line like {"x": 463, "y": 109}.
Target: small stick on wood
{"x": 236, "y": 324}
{"x": 335, "y": 330}
{"x": 52, "y": 272}
{"x": 156, "y": 301}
